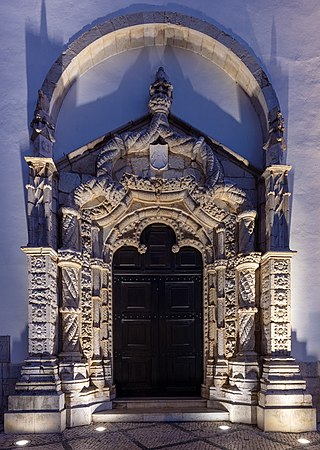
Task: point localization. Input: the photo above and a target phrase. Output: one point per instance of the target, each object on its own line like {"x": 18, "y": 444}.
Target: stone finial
{"x": 275, "y": 146}
{"x": 161, "y": 93}
{"x": 42, "y": 128}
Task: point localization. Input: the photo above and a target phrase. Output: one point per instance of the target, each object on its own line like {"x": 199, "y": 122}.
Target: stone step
{"x": 172, "y": 409}
{"x": 154, "y": 403}
{"x": 161, "y": 415}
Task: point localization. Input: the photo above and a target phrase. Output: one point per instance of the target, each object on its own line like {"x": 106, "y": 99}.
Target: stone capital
{"x": 220, "y": 264}
{"x": 248, "y": 214}
{"x": 68, "y": 211}
{"x": 40, "y": 251}
{"x": 248, "y": 262}
{"x": 276, "y": 169}
{"x": 38, "y": 162}
{"x": 69, "y": 258}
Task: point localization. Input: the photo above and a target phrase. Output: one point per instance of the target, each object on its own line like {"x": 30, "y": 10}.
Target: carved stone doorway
{"x": 157, "y": 316}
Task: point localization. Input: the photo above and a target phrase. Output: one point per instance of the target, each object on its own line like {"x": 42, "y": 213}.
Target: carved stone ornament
{"x": 71, "y": 290}
{"x": 159, "y": 156}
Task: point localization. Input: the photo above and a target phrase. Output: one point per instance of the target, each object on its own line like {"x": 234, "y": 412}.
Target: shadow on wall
{"x": 41, "y": 52}
{"x": 82, "y": 120}
{"x": 241, "y": 12}
{"x": 299, "y": 349}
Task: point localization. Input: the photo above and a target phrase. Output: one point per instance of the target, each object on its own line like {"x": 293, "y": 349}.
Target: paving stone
{"x": 246, "y": 440}
{"x": 114, "y": 441}
{"x": 200, "y": 445}
{"x": 160, "y": 435}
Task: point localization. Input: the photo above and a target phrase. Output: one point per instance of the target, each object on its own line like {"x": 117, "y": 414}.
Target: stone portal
{"x": 158, "y": 174}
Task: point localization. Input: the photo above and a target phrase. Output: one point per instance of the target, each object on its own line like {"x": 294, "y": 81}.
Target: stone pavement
{"x": 158, "y": 436}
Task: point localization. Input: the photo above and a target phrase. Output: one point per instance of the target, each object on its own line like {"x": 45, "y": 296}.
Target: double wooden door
{"x": 158, "y": 326}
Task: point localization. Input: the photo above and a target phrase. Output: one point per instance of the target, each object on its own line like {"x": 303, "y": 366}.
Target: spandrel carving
{"x": 160, "y": 131}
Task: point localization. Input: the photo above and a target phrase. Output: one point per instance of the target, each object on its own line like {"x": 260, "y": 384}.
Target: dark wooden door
{"x": 157, "y": 319}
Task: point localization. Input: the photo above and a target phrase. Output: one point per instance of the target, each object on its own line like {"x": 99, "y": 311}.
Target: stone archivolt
{"x": 111, "y": 210}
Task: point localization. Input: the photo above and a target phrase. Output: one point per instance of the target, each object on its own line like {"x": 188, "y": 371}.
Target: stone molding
{"x": 157, "y": 28}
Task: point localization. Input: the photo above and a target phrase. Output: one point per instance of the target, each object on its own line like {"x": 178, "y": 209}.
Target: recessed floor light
{"x": 22, "y": 442}
{"x": 224, "y": 427}
{"x": 303, "y": 441}
{"x": 100, "y": 429}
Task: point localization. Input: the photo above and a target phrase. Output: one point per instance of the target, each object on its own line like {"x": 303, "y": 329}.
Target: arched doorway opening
{"x": 157, "y": 316}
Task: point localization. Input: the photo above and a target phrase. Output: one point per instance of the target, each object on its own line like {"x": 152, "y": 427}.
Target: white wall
{"x": 283, "y": 36}
{"x": 117, "y": 91}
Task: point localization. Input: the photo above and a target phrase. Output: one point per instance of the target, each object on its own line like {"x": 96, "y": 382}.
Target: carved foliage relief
{"x": 86, "y": 286}
{"x": 275, "y": 304}
{"x": 43, "y": 308}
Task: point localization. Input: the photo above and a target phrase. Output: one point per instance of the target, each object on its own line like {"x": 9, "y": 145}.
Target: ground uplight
{"x": 100, "y": 428}
{"x": 224, "y": 427}
{"x": 303, "y": 441}
{"x": 22, "y": 442}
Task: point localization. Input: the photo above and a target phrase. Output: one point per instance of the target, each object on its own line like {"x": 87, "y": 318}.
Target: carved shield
{"x": 159, "y": 156}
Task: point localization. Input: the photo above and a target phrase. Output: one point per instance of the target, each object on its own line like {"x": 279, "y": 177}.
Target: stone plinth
{"x": 35, "y": 413}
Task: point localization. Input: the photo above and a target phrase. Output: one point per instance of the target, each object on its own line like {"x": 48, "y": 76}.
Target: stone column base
{"x": 40, "y": 413}
{"x": 79, "y": 407}
{"x": 284, "y": 404}
{"x": 290, "y": 420}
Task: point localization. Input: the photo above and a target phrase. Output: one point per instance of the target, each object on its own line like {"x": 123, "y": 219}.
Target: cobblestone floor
{"x": 158, "y": 436}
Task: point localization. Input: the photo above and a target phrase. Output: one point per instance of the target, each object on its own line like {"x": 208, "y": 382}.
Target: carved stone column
{"x": 212, "y": 324}
{"x": 96, "y": 367}
{"x": 246, "y": 266}
{"x": 106, "y": 323}
{"x": 41, "y": 371}
{"x": 221, "y": 366}
{"x": 86, "y": 285}
{"x": 283, "y": 402}
{"x": 72, "y": 368}
{"x": 244, "y": 367}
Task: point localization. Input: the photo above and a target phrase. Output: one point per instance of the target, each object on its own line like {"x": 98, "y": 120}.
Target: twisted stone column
{"x": 70, "y": 264}
{"x": 246, "y": 266}
{"x": 221, "y": 367}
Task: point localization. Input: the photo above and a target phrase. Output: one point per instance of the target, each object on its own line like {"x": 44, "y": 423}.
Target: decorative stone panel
{"x": 275, "y": 303}
{"x": 43, "y": 303}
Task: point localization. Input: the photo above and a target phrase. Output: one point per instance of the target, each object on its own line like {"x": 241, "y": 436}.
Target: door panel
{"x": 157, "y": 319}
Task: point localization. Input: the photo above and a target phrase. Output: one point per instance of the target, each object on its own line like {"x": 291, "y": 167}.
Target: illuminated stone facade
{"x": 97, "y": 199}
